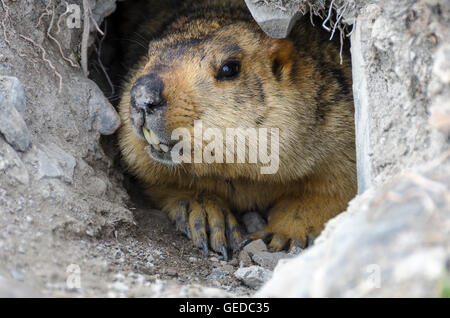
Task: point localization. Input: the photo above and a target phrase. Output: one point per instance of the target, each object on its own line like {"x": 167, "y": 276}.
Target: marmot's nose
{"x": 146, "y": 92}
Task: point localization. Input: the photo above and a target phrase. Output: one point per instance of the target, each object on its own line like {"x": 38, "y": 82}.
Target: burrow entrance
{"x": 111, "y": 57}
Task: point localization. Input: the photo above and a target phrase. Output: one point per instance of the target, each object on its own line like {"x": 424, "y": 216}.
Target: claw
{"x": 278, "y": 243}
{"x": 188, "y": 232}
{"x": 207, "y": 224}
{"x": 205, "y": 247}
{"x": 267, "y": 238}
{"x": 224, "y": 252}
{"x": 233, "y": 232}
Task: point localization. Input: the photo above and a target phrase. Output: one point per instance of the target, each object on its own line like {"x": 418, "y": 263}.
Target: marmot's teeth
{"x": 150, "y": 136}
{"x": 157, "y": 147}
{"x": 146, "y": 135}
{"x": 164, "y": 147}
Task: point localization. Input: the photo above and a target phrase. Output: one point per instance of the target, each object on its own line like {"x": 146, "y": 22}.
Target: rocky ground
{"x": 69, "y": 228}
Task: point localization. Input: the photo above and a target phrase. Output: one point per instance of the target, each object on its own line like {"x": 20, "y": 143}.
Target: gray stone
{"x": 246, "y": 254}
{"x": 228, "y": 268}
{"x": 12, "y": 165}
{"x": 392, "y": 65}
{"x": 12, "y": 109}
{"x": 165, "y": 289}
{"x": 14, "y": 289}
{"x": 361, "y": 113}
{"x": 392, "y": 241}
{"x": 102, "y": 9}
{"x": 253, "y": 221}
{"x": 55, "y": 163}
{"x": 275, "y": 21}
{"x": 255, "y": 247}
{"x": 440, "y": 89}
{"x": 102, "y": 115}
{"x": 269, "y": 260}
{"x": 244, "y": 259}
{"x": 217, "y": 273}
{"x": 13, "y": 92}
{"x": 253, "y": 276}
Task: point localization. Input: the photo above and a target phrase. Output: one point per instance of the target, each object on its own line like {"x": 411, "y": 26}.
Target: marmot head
{"x": 225, "y": 73}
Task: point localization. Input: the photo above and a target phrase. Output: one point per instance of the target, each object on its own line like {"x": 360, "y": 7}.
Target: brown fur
{"x": 295, "y": 84}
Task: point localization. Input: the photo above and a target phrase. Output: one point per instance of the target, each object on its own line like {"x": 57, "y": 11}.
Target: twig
{"x": 338, "y": 20}
{"x": 99, "y": 58}
{"x": 85, "y": 38}
{"x": 44, "y": 53}
{"x": 91, "y": 15}
{"x": 330, "y": 12}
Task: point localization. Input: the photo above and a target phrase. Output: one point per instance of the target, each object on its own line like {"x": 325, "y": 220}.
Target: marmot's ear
{"x": 281, "y": 53}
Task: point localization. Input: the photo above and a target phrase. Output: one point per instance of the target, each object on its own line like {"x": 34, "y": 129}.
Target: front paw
{"x": 278, "y": 239}
{"x": 206, "y": 220}
{"x": 291, "y": 223}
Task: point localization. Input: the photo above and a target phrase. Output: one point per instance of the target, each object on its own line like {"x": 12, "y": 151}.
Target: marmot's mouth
{"x": 157, "y": 150}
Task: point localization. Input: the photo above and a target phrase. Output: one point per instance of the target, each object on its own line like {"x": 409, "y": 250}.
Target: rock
{"x": 12, "y": 109}
{"x": 244, "y": 259}
{"x": 217, "y": 273}
{"x": 12, "y": 165}
{"x": 165, "y": 289}
{"x": 245, "y": 255}
{"x": 269, "y": 260}
{"x": 253, "y": 221}
{"x": 56, "y": 163}
{"x": 228, "y": 268}
{"x": 396, "y": 134}
{"x": 255, "y": 247}
{"x": 171, "y": 272}
{"x": 390, "y": 242}
{"x": 273, "y": 20}
{"x": 102, "y": 115}
{"x": 14, "y": 289}
{"x": 13, "y": 92}
{"x": 253, "y": 276}
{"x": 440, "y": 88}
{"x": 101, "y": 10}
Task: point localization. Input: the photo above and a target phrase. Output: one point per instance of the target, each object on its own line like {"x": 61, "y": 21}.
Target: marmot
{"x": 210, "y": 61}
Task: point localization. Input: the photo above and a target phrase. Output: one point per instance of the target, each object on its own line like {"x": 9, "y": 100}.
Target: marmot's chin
{"x": 160, "y": 156}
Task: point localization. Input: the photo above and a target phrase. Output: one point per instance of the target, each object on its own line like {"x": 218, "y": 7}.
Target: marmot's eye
{"x": 229, "y": 70}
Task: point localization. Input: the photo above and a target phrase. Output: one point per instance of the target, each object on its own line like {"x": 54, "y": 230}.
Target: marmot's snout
{"x": 146, "y": 93}
{"x": 147, "y": 109}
